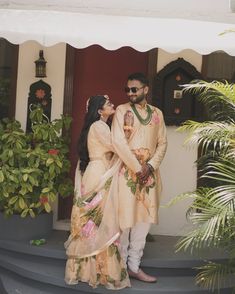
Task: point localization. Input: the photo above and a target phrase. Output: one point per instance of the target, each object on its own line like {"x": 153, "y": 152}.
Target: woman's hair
{"x": 94, "y": 104}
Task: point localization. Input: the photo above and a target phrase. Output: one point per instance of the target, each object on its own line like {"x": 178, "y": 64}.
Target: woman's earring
{"x": 101, "y": 116}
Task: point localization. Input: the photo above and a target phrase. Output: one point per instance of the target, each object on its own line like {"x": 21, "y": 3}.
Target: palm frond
{"x": 190, "y": 243}
{"x": 179, "y": 198}
{"x": 223, "y": 196}
{"x": 212, "y": 216}
{"x": 212, "y": 223}
{"x": 215, "y": 275}
{"x": 213, "y": 209}
{"x": 231, "y": 250}
{"x": 223, "y": 170}
{"x": 209, "y": 134}
{"x": 213, "y": 91}
{"x": 227, "y": 31}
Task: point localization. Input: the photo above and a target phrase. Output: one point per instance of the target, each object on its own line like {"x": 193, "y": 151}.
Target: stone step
{"x": 160, "y": 253}
{"x": 7, "y": 255}
{"x": 15, "y": 284}
{"x": 44, "y": 271}
{"x": 27, "y": 269}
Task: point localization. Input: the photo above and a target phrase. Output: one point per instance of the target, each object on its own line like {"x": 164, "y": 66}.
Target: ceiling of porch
{"x": 173, "y": 25}
{"x": 203, "y": 10}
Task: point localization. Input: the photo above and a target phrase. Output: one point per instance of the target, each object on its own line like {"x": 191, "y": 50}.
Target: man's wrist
{"x": 150, "y": 167}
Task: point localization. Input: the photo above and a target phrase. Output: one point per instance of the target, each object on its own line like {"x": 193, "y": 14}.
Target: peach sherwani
{"x": 136, "y": 143}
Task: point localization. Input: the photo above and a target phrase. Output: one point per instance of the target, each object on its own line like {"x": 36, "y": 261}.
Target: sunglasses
{"x": 132, "y": 89}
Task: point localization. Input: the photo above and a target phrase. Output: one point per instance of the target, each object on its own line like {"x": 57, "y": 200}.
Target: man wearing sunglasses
{"x": 139, "y": 138}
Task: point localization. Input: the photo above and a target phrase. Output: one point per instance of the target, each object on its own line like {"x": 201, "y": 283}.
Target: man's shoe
{"x": 142, "y": 276}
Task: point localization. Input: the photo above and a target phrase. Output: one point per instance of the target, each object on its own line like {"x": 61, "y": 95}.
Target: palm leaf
{"x": 223, "y": 196}
{"x": 210, "y": 215}
{"x": 213, "y": 210}
{"x": 223, "y": 170}
{"x": 179, "y": 198}
{"x": 209, "y": 134}
{"x": 215, "y": 91}
{"x": 214, "y": 275}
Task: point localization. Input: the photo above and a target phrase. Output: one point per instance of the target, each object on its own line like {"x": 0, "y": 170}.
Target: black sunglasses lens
{"x": 132, "y": 89}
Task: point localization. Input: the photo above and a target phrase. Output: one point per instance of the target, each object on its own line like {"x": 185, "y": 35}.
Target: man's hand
{"x": 144, "y": 174}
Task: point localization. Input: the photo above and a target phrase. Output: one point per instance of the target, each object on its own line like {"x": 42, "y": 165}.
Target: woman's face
{"x": 108, "y": 109}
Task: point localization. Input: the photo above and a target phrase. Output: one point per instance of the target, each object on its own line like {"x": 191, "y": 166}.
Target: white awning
{"x": 80, "y": 30}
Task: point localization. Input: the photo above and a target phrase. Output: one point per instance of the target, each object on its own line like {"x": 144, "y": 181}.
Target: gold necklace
{"x": 143, "y": 121}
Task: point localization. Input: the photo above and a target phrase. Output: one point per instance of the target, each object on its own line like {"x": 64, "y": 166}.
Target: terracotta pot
{"x": 18, "y": 228}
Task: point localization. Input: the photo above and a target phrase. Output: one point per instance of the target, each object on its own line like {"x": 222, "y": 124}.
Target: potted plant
{"x": 34, "y": 168}
{"x": 213, "y": 206}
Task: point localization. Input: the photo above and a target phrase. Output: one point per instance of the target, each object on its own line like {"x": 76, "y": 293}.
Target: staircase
{"x": 27, "y": 269}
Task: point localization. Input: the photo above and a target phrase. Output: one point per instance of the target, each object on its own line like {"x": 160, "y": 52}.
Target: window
{"x": 219, "y": 66}
{"x": 8, "y": 75}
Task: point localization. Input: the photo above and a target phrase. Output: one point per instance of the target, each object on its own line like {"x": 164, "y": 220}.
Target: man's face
{"x": 136, "y": 91}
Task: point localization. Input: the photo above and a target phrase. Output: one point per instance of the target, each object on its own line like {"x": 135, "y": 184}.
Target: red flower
{"x": 43, "y": 199}
{"x": 40, "y": 94}
{"x": 53, "y": 151}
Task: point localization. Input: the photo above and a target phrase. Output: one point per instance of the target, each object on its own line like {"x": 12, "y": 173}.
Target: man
{"x": 139, "y": 138}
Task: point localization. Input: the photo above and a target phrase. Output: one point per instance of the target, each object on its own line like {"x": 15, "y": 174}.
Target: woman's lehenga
{"x": 92, "y": 247}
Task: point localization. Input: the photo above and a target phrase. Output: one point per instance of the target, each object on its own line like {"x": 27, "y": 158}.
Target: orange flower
{"x": 142, "y": 154}
{"x": 128, "y": 128}
{"x": 75, "y": 221}
{"x": 102, "y": 265}
{"x": 132, "y": 175}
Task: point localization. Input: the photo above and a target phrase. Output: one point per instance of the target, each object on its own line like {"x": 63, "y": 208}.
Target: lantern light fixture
{"x": 40, "y": 66}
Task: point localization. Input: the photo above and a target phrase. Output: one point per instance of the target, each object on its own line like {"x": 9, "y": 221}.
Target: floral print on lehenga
{"x": 101, "y": 264}
{"x": 92, "y": 248}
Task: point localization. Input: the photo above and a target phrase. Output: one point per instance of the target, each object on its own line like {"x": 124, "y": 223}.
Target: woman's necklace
{"x": 143, "y": 121}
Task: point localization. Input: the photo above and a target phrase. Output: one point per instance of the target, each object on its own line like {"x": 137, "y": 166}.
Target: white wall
{"x": 55, "y": 70}
{"x": 179, "y": 174}
{"x": 178, "y": 170}
{"x": 55, "y": 57}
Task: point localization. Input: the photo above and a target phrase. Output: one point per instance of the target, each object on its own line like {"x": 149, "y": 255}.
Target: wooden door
{"x": 98, "y": 71}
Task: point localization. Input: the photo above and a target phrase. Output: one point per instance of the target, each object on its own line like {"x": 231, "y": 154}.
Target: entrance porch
{"x": 29, "y": 269}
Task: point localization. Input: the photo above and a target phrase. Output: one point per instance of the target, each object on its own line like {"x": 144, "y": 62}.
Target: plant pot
{"x": 18, "y": 228}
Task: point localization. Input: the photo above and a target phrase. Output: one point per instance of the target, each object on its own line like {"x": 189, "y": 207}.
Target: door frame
{"x": 59, "y": 222}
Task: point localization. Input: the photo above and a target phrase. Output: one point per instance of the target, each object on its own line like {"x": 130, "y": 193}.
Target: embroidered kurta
{"x": 136, "y": 143}
{"x": 92, "y": 247}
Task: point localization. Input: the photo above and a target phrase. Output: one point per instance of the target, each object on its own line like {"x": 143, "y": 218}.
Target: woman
{"x": 92, "y": 247}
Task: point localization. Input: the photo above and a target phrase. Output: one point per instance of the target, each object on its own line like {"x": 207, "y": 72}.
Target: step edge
{"x": 52, "y": 280}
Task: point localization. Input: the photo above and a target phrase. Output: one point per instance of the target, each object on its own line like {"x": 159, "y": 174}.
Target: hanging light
{"x": 40, "y": 65}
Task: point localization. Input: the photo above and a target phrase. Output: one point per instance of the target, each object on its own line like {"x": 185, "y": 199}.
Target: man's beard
{"x": 138, "y": 99}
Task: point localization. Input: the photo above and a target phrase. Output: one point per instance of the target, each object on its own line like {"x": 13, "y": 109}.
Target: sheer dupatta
{"x": 94, "y": 218}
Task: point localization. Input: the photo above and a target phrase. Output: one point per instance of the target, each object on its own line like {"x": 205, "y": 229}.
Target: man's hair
{"x": 139, "y": 76}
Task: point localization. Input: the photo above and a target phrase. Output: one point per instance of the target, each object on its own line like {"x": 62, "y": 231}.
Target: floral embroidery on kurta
{"x": 155, "y": 118}
{"x": 128, "y": 123}
{"x": 139, "y": 190}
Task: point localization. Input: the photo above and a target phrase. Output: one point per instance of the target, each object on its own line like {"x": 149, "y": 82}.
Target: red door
{"x": 99, "y": 71}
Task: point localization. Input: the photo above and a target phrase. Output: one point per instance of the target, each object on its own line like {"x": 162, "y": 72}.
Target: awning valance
{"x": 112, "y": 32}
